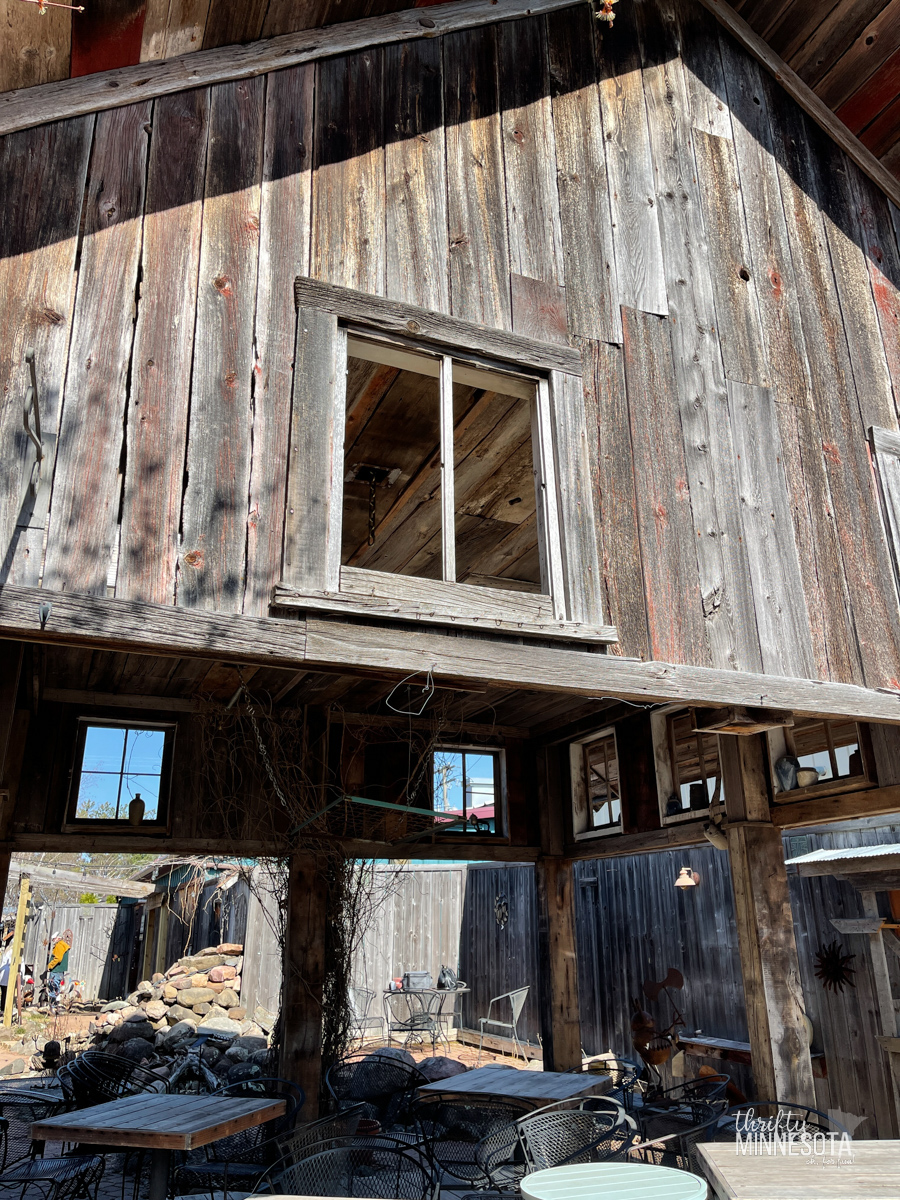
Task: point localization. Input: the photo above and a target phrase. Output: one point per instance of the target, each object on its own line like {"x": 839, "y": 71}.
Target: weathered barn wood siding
{"x": 726, "y": 271}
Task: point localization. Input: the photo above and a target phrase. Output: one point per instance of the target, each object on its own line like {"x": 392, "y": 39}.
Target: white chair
{"x": 516, "y": 1000}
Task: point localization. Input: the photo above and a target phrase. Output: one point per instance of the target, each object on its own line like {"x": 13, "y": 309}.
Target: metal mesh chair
{"x": 237, "y": 1162}
{"x": 75, "y": 1175}
{"x": 453, "y": 1128}
{"x": 516, "y": 1000}
{"x": 567, "y": 1137}
{"x": 95, "y": 1078}
{"x": 361, "y": 1002}
{"x": 501, "y": 1159}
{"x": 377, "y": 1171}
{"x": 708, "y": 1088}
{"x": 415, "y": 1015}
{"x": 384, "y": 1084}
{"x": 626, "y": 1080}
{"x": 20, "y": 1108}
{"x": 673, "y": 1132}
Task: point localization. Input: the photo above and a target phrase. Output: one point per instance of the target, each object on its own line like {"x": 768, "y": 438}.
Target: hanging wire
{"x": 427, "y": 693}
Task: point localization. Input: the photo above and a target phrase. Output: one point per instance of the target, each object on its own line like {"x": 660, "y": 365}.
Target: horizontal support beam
{"x": 126, "y": 625}
{"x": 87, "y": 699}
{"x": 127, "y": 85}
{"x": 851, "y": 866}
{"x": 465, "y": 848}
{"x": 497, "y": 1044}
{"x": 424, "y": 325}
{"x": 672, "y": 837}
{"x": 876, "y": 802}
{"x": 444, "y": 727}
{"x": 75, "y": 881}
{"x": 805, "y": 97}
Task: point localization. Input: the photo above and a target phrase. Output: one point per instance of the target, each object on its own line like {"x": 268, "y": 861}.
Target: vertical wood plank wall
{"x": 732, "y": 279}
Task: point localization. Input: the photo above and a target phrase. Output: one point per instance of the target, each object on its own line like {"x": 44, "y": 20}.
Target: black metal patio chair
{"x": 762, "y": 1118}
{"x": 500, "y": 1158}
{"x": 383, "y": 1083}
{"x": 416, "y": 1017}
{"x": 68, "y": 1177}
{"x": 382, "y": 1171}
{"x": 364, "y": 1020}
{"x": 673, "y": 1132}
{"x": 453, "y": 1127}
{"x": 566, "y": 1137}
{"x": 708, "y": 1088}
{"x": 627, "y": 1081}
{"x": 20, "y": 1108}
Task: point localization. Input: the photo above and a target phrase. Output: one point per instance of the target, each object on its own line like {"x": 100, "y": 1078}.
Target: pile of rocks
{"x": 198, "y": 995}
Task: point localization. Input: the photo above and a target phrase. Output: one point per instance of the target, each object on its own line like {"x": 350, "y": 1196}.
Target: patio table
{"x": 159, "y": 1123}
{"x": 871, "y": 1172}
{"x": 540, "y": 1087}
{"x": 624, "y": 1181}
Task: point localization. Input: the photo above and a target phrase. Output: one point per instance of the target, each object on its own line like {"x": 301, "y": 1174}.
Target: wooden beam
{"x": 884, "y": 996}
{"x": 671, "y": 837}
{"x": 103, "y": 623}
{"x": 558, "y": 968}
{"x": 845, "y": 807}
{"x": 445, "y": 725}
{"x": 302, "y": 981}
{"x": 112, "y": 89}
{"x": 499, "y": 1045}
{"x": 87, "y": 699}
{"x": 10, "y": 669}
{"x": 782, "y": 1067}
{"x": 425, "y": 326}
{"x": 805, "y": 97}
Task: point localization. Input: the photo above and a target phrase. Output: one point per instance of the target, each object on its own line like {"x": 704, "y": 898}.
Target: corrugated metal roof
{"x": 851, "y": 852}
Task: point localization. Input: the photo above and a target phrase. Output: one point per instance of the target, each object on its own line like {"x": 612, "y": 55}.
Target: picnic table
{"x": 870, "y": 1172}
{"x": 540, "y": 1087}
{"x": 624, "y": 1181}
{"x": 160, "y": 1123}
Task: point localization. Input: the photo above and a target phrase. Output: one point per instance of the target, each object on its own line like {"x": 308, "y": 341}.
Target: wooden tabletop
{"x": 159, "y": 1121}
{"x": 541, "y": 1087}
{"x": 871, "y": 1172}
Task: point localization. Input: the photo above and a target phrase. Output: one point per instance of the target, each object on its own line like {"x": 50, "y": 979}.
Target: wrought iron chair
{"x": 452, "y": 1128}
{"x": 627, "y": 1083}
{"x": 668, "y": 1135}
{"x": 237, "y": 1162}
{"x": 566, "y": 1137}
{"x": 708, "y": 1088}
{"x": 501, "y": 1159}
{"x": 376, "y": 1171}
{"x": 95, "y": 1078}
{"x": 64, "y": 1178}
{"x": 361, "y": 1002}
{"x": 416, "y": 1015}
{"x": 763, "y": 1117}
{"x": 516, "y": 1000}
{"x": 384, "y": 1085}
{"x": 20, "y": 1108}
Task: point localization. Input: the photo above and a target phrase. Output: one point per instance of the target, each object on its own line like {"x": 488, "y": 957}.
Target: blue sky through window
{"x": 118, "y": 764}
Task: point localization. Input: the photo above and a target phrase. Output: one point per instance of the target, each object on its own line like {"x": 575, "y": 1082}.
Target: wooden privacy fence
{"x": 92, "y": 928}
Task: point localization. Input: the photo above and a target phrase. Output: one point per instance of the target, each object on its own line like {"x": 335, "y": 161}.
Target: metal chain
{"x": 372, "y": 511}
{"x": 263, "y": 752}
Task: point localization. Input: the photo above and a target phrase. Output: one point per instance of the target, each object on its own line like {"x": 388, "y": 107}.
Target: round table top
{"x": 613, "y": 1181}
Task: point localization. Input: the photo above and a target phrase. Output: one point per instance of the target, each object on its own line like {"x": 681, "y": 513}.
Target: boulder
{"x": 264, "y": 1019}
{"x": 199, "y": 980}
{"x": 236, "y": 1014}
{"x": 16, "y": 1067}
{"x": 136, "y": 1049}
{"x": 191, "y": 996}
{"x": 178, "y": 1013}
{"x": 237, "y": 1053}
{"x": 216, "y": 987}
{"x": 232, "y": 961}
{"x": 441, "y": 1068}
{"x": 182, "y": 983}
{"x": 210, "y": 1055}
{"x": 206, "y": 951}
{"x": 251, "y": 1029}
{"x": 139, "y": 1014}
{"x": 221, "y": 974}
{"x": 201, "y": 963}
{"x": 216, "y": 1010}
{"x": 222, "y": 1067}
{"x": 202, "y": 1009}
{"x": 230, "y": 948}
{"x": 174, "y": 972}
{"x": 218, "y": 1026}
{"x": 398, "y": 1053}
{"x": 156, "y": 1010}
{"x": 251, "y": 1044}
{"x": 180, "y": 1031}
{"x": 264, "y": 1059}
{"x": 170, "y": 993}
{"x": 241, "y": 1071}
{"x": 144, "y": 990}
{"x": 228, "y": 998}
{"x": 114, "y": 1006}
{"x": 157, "y": 977}
{"x": 132, "y": 1029}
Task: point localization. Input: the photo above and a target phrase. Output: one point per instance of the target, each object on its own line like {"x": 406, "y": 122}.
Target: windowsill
{"x": 101, "y": 826}
{"x": 429, "y": 601}
{"x": 828, "y": 787}
{"x": 681, "y": 818}
{"x": 589, "y": 834}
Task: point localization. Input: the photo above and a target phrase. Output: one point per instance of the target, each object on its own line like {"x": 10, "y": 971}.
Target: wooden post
{"x": 303, "y": 979}
{"x": 18, "y": 939}
{"x": 889, "y": 1024}
{"x": 782, "y": 1067}
{"x": 560, "y": 1019}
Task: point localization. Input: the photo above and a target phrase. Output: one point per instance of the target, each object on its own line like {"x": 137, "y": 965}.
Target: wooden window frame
{"x": 110, "y": 824}
{"x": 582, "y": 830}
{"x": 501, "y": 832}
{"x": 666, "y": 765}
{"x": 313, "y": 577}
{"x": 781, "y": 742}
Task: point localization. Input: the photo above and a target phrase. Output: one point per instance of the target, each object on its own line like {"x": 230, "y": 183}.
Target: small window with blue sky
{"x": 118, "y": 764}
{"x": 466, "y": 789}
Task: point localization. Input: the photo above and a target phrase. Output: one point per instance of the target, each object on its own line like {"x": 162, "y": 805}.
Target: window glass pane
{"x": 392, "y": 470}
{"x": 810, "y": 742}
{"x": 602, "y": 768}
{"x": 103, "y": 748}
{"x": 496, "y": 512}
{"x": 464, "y": 789}
{"x": 117, "y": 764}
{"x": 695, "y": 764}
{"x": 448, "y": 782}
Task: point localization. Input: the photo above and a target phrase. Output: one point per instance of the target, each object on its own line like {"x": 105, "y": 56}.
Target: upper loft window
{"x": 820, "y": 756}
{"x": 121, "y": 773}
{"x": 439, "y": 472}
{"x": 596, "y": 791}
{"x": 688, "y": 771}
{"x": 467, "y": 787}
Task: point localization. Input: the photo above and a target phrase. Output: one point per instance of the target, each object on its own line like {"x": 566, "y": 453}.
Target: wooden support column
{"x": 303, "y": 979}
{"x": 889, "y": 1024}
{"x": 557, "y": 964}
{"x": 782, "y": 1067}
